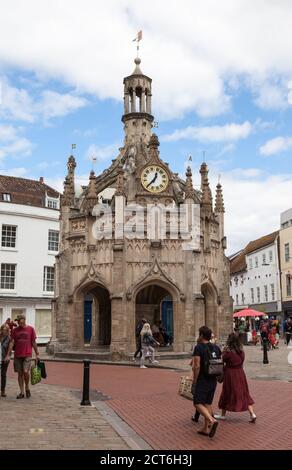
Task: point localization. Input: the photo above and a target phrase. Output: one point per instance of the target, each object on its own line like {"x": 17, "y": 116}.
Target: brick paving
{"x": 53, "y": 419}
{"x": 148, "y": 401}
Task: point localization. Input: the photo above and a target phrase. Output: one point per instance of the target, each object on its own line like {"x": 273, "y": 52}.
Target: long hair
{"x": 234, "y": 343}
{"x": 2, "y": 328}
{"x": 146, "y": 330}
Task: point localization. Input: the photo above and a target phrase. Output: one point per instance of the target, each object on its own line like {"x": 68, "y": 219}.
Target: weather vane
{"x": 73, "y": 147}
{"x": 137, "y": 40}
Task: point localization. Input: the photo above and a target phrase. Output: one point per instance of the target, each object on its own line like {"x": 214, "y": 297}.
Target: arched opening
{"x": 96, "y": 316}
{"x": 210, "y": 307}
{"x": 155, "y": 304}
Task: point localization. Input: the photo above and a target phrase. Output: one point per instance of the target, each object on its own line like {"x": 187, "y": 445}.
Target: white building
{"x": 29, "y": 225}
{"x": 255, "y": 276}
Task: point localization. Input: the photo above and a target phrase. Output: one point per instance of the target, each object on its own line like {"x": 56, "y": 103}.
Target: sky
{"x": 222, "y": 87}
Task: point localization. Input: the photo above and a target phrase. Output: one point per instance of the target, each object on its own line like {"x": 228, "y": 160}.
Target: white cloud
{"x": 18, "y": 171}
{"x": 53, "y": 104}
{"x": 191, "y": 52}
{"x": 271, "y": 96}
{"x": 7, "y": 133}
{"x": 13, "y": 143}
{"x": 226, "y": 133}
{"x": 17, "y": 104}
{"x": 253, "y": 203}
{"x": 276, "y": 145}
{"x": 102, "y": 153}
{"x": 19, "y": 147}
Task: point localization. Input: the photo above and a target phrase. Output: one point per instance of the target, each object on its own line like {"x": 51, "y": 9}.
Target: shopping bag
{"x": 42, "y": 366}
{"x": 36, "y": 375}
{"x": 185, "y": 387}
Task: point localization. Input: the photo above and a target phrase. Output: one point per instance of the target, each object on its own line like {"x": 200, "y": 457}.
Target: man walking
{"x": 23, "y": 339}
{"x": 139, "y": 327}
{"x": 204, "y": 385}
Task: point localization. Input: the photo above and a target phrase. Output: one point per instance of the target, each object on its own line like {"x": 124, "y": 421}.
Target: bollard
{"x": 85, "y": 397}
{"x": 265, "y": 349}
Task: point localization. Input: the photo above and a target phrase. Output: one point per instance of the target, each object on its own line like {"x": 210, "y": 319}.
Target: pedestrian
{"x": 23, "y": 339}
{"x": 4, "y": 340}
{"x": 147, "y": 342}
{"x": 11, "y": 324}
{"x": 138, "y": 339}
{"x": 204, "y": 384}
{"x": 235, "y": 393}
{"x": 288, "y": 330}
{"x": 265, "y": 329}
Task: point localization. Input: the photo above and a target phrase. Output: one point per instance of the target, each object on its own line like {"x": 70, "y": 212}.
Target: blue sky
{"x": 222, "y": 83}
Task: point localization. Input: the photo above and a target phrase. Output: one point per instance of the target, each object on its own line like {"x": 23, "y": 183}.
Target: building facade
{"x": 286, "y": 261}
{"x": 114, "y": 270}
{"x": 29, "y": 225}
{"x": 255, "y": 276}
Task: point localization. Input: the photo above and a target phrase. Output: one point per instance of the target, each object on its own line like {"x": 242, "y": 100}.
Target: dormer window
{"x": 6, "y": 197}
{"x": 52, "y": 203}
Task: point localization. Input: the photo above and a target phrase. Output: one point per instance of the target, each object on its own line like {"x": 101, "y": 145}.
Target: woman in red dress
{"x": 235, "y": 394}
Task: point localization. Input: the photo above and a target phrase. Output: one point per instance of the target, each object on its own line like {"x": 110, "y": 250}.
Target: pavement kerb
{"x": 131, "y": 438}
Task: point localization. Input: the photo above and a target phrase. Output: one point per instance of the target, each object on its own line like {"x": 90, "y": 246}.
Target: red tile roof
{"x": 261, "y": 242}
{"x": 26, "y": 191}
{"x": 238, "y": 261}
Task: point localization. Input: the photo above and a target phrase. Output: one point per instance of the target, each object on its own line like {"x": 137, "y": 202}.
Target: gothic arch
{"x": 155, "y": 275}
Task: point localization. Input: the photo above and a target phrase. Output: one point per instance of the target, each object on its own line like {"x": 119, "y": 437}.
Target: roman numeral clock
{"x": 154, "y": 179}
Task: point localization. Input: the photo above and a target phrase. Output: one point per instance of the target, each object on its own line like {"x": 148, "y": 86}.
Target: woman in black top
{"x": 4, "y": 340}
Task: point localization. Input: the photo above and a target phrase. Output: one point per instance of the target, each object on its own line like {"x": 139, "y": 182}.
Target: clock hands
{"x": 152, "y": 181}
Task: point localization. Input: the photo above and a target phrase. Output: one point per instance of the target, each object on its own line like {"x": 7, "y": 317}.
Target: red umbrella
{"x": 248, "y": 312}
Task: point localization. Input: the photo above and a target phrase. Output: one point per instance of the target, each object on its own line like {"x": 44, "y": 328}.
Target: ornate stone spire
{"x": 120, "y": 190}
{"x": 219, "y": 202}
{"x": 205, "y": 187}
{"x": 91, "y": 195}
{"x": 190, "y": 192}
{"x": 68, "y": 196}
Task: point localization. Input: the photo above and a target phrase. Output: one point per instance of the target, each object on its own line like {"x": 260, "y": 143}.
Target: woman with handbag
{"x": 235, "y": 393}
{"x": 147, "y": 342}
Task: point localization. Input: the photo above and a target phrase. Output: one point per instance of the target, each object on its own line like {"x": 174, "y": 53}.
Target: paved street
{"x": 53, "y": 419}
{"x": 148, "y": 401}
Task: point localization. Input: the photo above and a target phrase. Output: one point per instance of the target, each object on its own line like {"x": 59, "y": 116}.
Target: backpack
{"x": 212, "y": 363}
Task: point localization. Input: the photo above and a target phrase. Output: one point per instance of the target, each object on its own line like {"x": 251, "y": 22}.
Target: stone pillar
{"x": 133, "y": 102}
{"x": 148, "y": 103}
{"x": 119, "y": 341}
{"x": 126, "y": 103}
{"x": 119, "y": 337}
{"x": 142, "y": 107}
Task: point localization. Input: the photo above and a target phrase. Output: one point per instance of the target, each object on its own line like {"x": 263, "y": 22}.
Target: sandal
{"x": 21, "y": 395}
{"x": 203, "y": 433}
{"x": 27, "y": 393}
{"x": 213, "y": 429}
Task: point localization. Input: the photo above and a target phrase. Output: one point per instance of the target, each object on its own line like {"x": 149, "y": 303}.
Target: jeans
{"x": 4, "y": 367}
{"x": 147, "y": 351}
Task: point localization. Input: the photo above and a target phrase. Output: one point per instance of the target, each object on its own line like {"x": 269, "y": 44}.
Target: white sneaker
{"x": 155, "y": 362}
{"x": 220, "y": 417}
{"x": 143, "y": 367}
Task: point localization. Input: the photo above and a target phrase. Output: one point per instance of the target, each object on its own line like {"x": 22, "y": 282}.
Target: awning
{"x": 248, "y": 312}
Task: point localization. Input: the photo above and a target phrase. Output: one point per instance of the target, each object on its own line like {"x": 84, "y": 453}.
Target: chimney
{"x": 41, "y": 179}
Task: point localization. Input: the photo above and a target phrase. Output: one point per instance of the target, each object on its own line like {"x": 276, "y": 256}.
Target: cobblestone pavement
{"x": 53, "y": 419}
{"x": 148, "y": 401}
{"x": 277, "y": 369}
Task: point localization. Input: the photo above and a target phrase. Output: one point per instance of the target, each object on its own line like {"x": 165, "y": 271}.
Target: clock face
{"x": 154, "y": 178}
